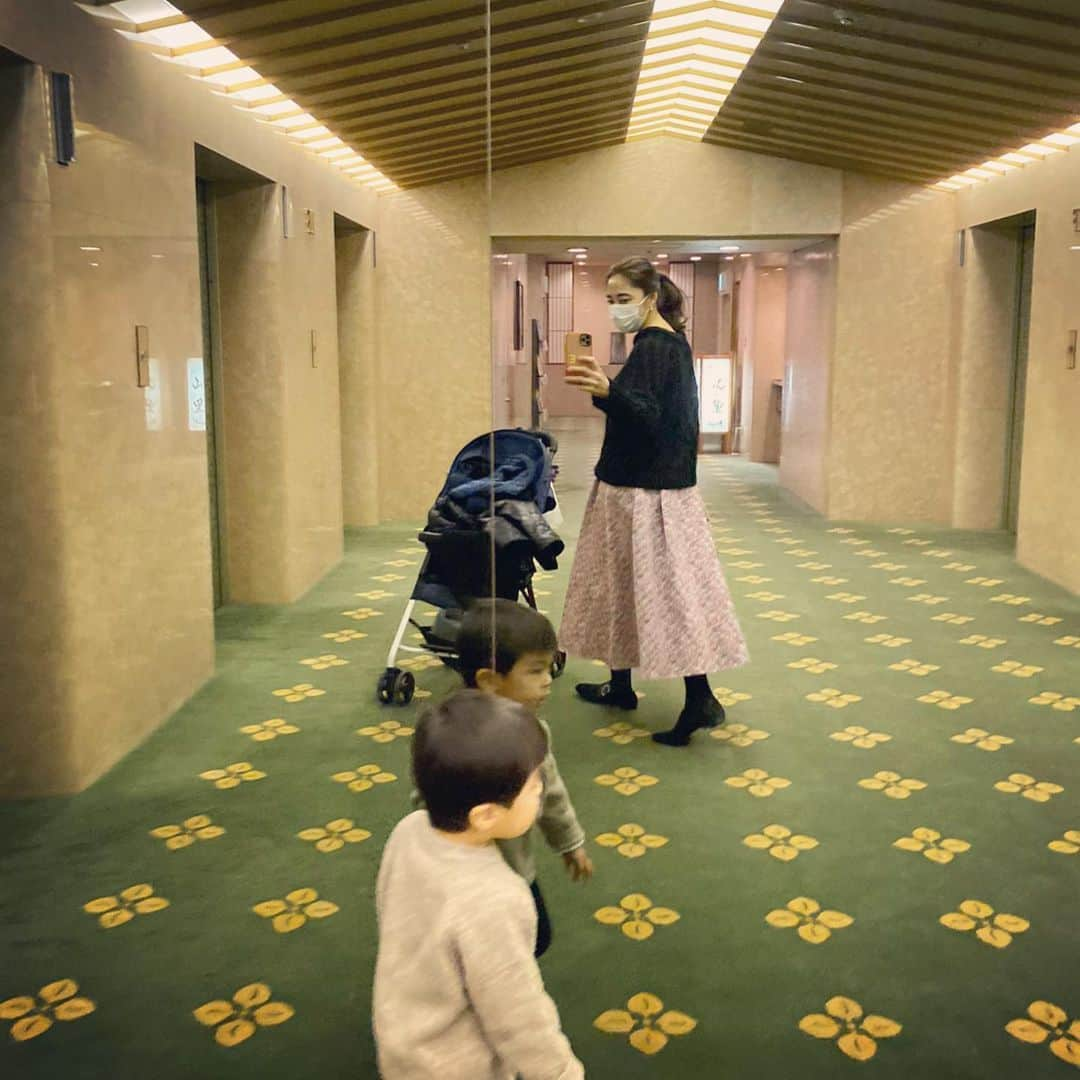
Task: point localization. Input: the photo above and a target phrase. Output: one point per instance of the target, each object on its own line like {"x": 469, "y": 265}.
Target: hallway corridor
{"x": 892, "y": 758}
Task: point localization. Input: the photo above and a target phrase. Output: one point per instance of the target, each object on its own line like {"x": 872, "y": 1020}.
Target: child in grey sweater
{"x": 458, "y": 993}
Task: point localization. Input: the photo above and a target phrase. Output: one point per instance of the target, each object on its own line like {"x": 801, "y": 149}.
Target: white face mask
{"x": 628, "y": 318}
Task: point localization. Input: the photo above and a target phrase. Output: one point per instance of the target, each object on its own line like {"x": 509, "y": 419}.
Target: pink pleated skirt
{"x": 646, "y": 588}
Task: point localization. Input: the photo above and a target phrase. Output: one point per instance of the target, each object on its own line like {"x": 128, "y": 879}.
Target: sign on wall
{"x": 714, "y": 393}
{"x": 196, "y": 388}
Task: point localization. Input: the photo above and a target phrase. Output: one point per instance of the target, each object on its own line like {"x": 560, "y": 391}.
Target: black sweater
{"x": 651, "y": 435}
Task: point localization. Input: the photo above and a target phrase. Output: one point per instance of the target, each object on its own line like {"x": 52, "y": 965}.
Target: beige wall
{"x": 1049, "y": 494}
{"x": 433, "y": 289}
{"x": 765, "y": 359}
{"x": 811, "y": 325}
{"x": 893, "y": 372}
{"x": 120, "y": 493}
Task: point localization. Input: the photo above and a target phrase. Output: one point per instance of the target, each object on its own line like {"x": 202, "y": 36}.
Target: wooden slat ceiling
{"x": 405, "y": 83}
{"x": 914, "y": 89}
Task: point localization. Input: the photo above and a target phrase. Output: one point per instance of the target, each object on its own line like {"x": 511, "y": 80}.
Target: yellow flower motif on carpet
{"x": 778, "y": 616}
{"x": 829, "y": 580}
{"x": 420, "y": 663}
{"x": 990, "y": 928}
{"x": 386, "y": 732}
{"x": 1056, "y": 701}
{"x": 858, "y": 1033}
{"x": 1069, "y": 641}
{"x": 627, "y": 781}
{"x": 982, "y": 739}
{"x": 780, "y": 843}
{"x": 364, "y": 777}
{"x": 902, "y": 532}
{"x": 861, "y": 737}
{"x": 115, "y": 911}
{"x": 928, "y": 598}
{"x": 834, "y": 698}
{"x": 815, "y": 925}
{"x": 959, "y": 567}
{"x": 754, "y": 579}
{"x": 768, "y": 597}
{"x": 375, "y": 594}
{"x": 299, "y": 692}
{"x": 1014, "y": 667}
{"x": 1040, "y": 620}
{"x": 177, "y": 837}
{"x": 1036, "y": 790}
{"x": 237, "y": 1020}
{"x": 360, "y": 614}
{"x": 845, "y": 597}
{"x": 758, "y": 783}
{"x": 865, "y": 617}
{"x": 335, "y": 835}
{"x": 650, "y": 1028}
{"x": 944, "y": 700}
{"x": 621, "y": 733}
{"x": 798, "y": 640}
{"x": 1069, "y": 844}
{"x": 232, "y": 775}
{"x": 399, "y": 564}
{"x": 1012, "y": 600}
{"x": 915, "y": 667}
{"x": 919, "y": 543}
{"x": 939, "y": 553}
{"x": 932, "y": 845}
{"x": 813, "y": 665}
{"x": 839, "y": 531}
{"x": 321, "y": 663}
{"x": 894, "y": 786}
{"x": 983, "y": 641}
{"x": 870, "y": 553}
{"x": 892, "y": 566}
{"x": 800, "y": 553}
{"x": 631, "y": 841}
{"x": 1048, "y": 1020}
{"x": 34, "y": 1016}
{"x": 637, "y": 917}
{"x": 985, "y": 582}
{"x": 728, "y": 697}
{"x": 343, "y": 637}
{"x": 294, "y": 911}
{"x": 815, "y": 566}
{"x": 956, "y": 620}
{"x": 888, "y": 641}
{"x": 908, "y": 582}
{"x": 386, "y": 579}
{"x": 271, "y": 729}
{"x": 740, "y": 735}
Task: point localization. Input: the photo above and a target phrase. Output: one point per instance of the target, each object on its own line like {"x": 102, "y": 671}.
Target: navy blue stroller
{"x": 485, "y": 535}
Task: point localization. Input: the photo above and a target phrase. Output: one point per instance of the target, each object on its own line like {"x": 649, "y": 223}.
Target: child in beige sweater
{"x": 458, "y": 993}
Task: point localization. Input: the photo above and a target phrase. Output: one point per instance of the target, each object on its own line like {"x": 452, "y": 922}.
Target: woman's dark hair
{"x": 643, "y": 275}
{"x": 474, "y": 748}
{"x": 504, "y": 629}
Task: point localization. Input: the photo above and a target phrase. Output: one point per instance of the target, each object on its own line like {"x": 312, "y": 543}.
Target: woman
{"x": 646, "y": 590}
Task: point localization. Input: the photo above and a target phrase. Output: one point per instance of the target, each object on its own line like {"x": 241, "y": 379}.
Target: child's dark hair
{"x": 503, "y": 632}
{"x": 641, "y": 273}
{"x": 472, "y": 749}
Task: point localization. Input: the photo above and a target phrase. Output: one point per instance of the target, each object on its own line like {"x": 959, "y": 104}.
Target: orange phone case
{"x": 577, "y": 343}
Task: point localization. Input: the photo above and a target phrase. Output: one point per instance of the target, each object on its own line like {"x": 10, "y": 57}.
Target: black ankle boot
{"x": 708, "y": 714}
{"x": 606, "y": 694}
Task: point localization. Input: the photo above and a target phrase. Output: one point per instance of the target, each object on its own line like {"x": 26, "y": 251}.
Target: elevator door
{"x": 1020, "y": 369}
{"x": 204, "y": 381}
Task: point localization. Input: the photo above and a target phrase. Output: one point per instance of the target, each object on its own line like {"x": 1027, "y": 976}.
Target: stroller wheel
{"x": 396, "y": 687}
{"x": 559, "y": 664}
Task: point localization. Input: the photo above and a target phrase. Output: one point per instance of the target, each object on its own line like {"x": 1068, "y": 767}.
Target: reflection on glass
{"x": 154, "y": 418}
{"x": 196, "y": 394}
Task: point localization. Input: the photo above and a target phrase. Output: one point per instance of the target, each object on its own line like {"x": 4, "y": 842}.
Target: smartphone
{"x": 576, "y": 344}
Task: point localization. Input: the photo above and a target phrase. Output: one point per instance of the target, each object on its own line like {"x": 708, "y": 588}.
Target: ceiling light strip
{"x": 695, "y": 52}
{"x": 163, "y": 28}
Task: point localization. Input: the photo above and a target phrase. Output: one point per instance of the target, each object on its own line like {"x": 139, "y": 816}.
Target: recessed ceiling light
{"x": 745, "y": 255}
{"x": 89, "y": 248}
{"x": 695, "y": 258}
{"x": 662, "y": 256}
{"x": 728, "y": 248}
{"x": 729, "y": 258}
{"x": 581, "y": 258}
{"x": 788, "y": 78}
{"x": 577, "y": 251}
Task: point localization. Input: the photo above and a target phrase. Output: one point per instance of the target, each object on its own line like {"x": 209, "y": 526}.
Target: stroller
{"x": 485, "y": 534}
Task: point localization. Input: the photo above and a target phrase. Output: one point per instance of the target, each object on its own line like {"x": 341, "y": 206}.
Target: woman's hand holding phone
{"x": 585, "y": 375}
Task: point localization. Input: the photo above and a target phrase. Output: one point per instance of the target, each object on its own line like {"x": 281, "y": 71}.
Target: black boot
{"x": 708, "y": 714}
{"x": 607, "y": 694}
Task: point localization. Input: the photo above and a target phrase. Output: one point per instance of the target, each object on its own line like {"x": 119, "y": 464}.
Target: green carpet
{"x": 781, "y": 886}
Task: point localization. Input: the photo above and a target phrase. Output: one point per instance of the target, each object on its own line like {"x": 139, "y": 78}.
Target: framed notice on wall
{"x": 714, "y": 375}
